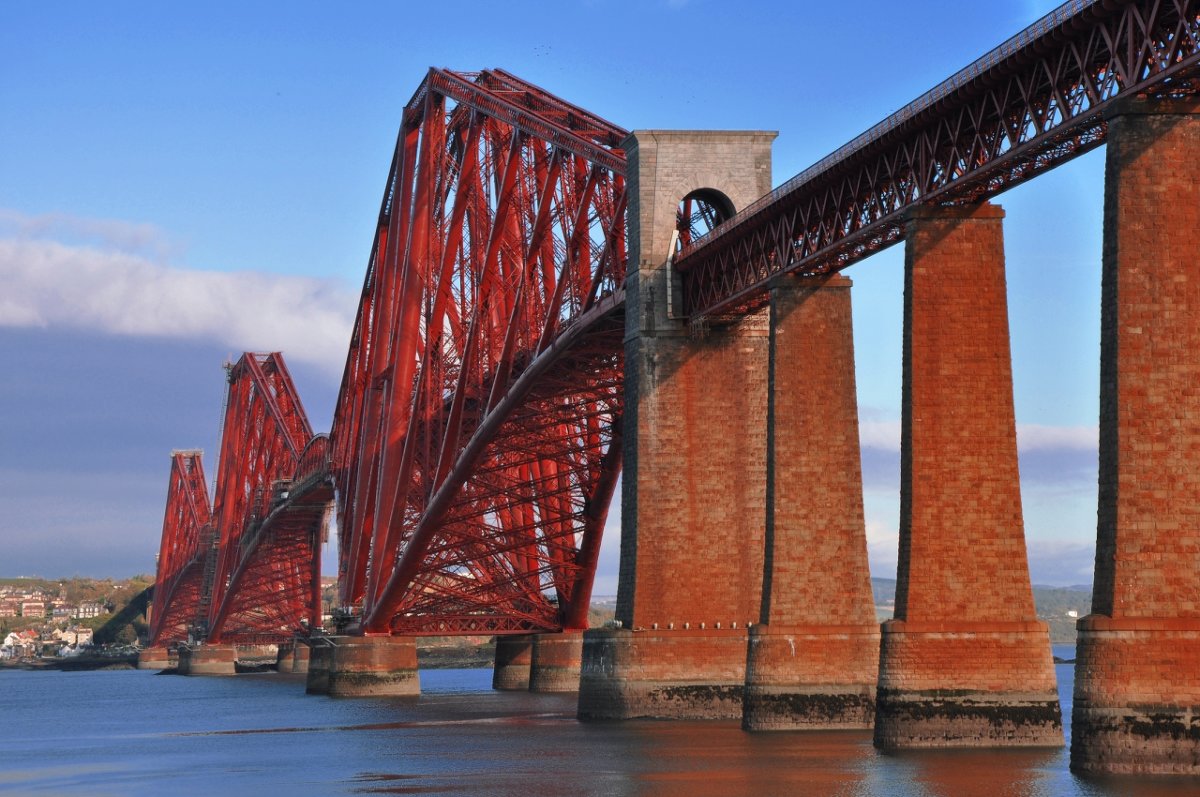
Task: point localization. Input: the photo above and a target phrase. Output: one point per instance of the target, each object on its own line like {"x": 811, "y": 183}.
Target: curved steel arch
{"x": 274, "y": 592}
{"x": 177, "y": 612}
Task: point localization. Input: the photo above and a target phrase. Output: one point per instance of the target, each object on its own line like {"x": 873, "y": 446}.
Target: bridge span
{"x": 551, "y": 300}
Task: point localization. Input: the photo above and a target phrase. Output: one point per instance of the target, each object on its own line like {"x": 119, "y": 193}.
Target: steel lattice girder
{"x": 497, "y": 265}
{"x": 180, "y": 552}
{"x": 1027, "y": 106}
{"x": 268, "y": 568}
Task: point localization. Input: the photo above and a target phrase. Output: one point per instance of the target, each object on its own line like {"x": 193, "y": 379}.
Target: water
{"x": 139, "y": 733}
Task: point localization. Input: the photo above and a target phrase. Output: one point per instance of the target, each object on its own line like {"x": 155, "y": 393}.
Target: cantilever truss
{"x": 269, "y": 509}
{"x": 186, "y": 529}
{"x": 475, "y": 438}
{"x": 1027, "y": 106}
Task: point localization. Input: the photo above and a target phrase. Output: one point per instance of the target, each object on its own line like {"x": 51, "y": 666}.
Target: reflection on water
{"x": 992, "y": 773}
{"x": 137, "y": 733}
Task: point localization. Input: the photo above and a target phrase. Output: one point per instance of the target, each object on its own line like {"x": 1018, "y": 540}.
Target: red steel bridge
{"x": 247, "y": 569}
{"x": 477, "y": 437}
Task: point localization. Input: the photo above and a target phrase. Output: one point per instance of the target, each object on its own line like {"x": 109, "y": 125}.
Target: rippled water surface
{"x": 139, "y": 733}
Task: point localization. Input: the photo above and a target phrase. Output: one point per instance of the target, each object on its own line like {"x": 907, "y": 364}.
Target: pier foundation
{"x": 674, "y": 674}
{"x": 555, "y": 662}
{"x": 374, "y": 667}
{"x": 348, "y": 666}
{"x": 320, "y": 659}
{"x": 208, "y": 660}
{"x": 514, "y": 656}
{"x": 294, "y": 658}
{"x": 156, "y": 658}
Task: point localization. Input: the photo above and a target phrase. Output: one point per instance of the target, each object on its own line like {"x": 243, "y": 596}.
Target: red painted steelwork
{"x": 1027, "y": 106}
{"x": 476, "y": 442}
{"x": 180, "y": 556}
{"x": 474, "y": 436}
{"x": 268, "y": 550}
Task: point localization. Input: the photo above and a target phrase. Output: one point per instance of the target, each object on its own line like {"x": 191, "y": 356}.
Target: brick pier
{"x": 157, "y": 658}
{"x": 514, "y": 655}
{"x": 555, "y": 662}
{"x": 965, "y": 661}
{"x": 1137, "y": 677}
{"x": 208, "y": 660}
{"x": 813, "y": 659}
{"x": 694, "y": 457}
{"x": 355, "y": 666}
{"x": 294, "y": 657}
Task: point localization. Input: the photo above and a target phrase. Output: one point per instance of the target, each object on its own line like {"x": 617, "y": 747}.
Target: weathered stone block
{"x": 208, "y": 660}
{"x": 662, "y": 675}
{"x": 556, "y": 661}
{"x": 514, "y": 655}
{"x": 364, "y": 667}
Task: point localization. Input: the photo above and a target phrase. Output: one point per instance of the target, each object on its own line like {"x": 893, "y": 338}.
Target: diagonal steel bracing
{"x": 186, "y": 527}
{"x": 474, "y": 442}
{"x": 1034, "y": 102}
{"x": 270, "y": 509}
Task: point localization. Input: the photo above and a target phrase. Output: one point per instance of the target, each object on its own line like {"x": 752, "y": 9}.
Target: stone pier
{"x": 672, "y": 674}
{"x": 813, "y": 659}
{"x": 208, "y": 660}
{"x": 1137, "y": 676}
{"x": 320, "y": 659}
{"x": 965, "y": 661}
{"x": 157, "y": 658}
{"x": 347, "y": 666}
{"x": 294, "y": 658}
{"x": 694, "y": 455}
{"x": 514, "y": 655}
{"x": 555, "y": 662}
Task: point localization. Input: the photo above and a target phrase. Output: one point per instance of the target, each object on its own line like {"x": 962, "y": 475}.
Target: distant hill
{"x": 1053, "y": 606}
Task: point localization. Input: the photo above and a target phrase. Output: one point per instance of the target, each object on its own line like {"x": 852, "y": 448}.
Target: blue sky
{"x": 180, "y": 183}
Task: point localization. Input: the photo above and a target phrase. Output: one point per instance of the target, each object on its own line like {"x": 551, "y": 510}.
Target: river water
{"x": 140, "y": 733}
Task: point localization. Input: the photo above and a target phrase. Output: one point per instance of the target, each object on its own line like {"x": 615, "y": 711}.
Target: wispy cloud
{"x": 143, "y": 239}
{"x": 116, "y": 284}
{"x": 883, "y": 542}
{"x": 877, "y": 433}
{"x": 885, "y": 434}
{"x": 1035, "y": 437}
{"x": 1061, "y": 562}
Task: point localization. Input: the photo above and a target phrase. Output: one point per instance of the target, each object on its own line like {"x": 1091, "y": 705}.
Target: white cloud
{"x": 883, "y": 544}
{"x": 1035, "y": 437}
{"x": 1061, "y": 562}
{"x": 885, "y": 434}
{"x": 109, "y": 289}
{"x": 128, "y": 237}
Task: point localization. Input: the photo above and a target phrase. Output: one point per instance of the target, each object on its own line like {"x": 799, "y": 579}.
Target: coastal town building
{"x": 33, "y": 608}
{"x": 20, "y": 644}
{"x": 74, "y": 636}
{"x": 89, "y": 609}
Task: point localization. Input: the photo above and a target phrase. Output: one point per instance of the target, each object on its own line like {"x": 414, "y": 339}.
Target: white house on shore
{"x": 19, "y": 645}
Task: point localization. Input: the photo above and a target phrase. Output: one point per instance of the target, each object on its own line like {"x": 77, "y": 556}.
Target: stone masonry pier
{"x": 965, "y": 661}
